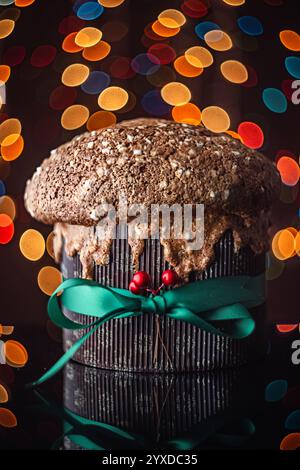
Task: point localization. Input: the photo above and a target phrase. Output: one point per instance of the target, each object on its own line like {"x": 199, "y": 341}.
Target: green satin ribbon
{"x": 218, "y": 306}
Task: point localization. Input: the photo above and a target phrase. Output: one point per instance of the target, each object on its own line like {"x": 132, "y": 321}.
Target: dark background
{"x": 28, "y": 92}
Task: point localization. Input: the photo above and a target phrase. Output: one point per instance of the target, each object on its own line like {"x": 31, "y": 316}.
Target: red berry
{"x": 169, "y": 277}
{"x": 134, "y": 288}
{"x": 142, "y": 279}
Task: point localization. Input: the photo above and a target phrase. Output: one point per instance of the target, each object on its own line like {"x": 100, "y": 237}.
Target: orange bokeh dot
{"x": 7, "y": 329}
{"x": 9, "y": 127}
{"x": 199, "y": 56}
{"x": 7, "y": 206}
{"x": 49, "y": 244}
{"x": 97, "y": 52}
{"x": 32, "y": 245}
{"x": 188, "y": 113}
{"x": 49, "y": 278}
{"x": 111, "y": 3}
{"x": 283, "y": 244}
{"x": 234, "y": 71}
{"x": 291, "y": 441}
{"x": 163, "y": 31}
{"x": 15, "y": 353}
{"x": 7, "y": 418}
{"x": 101, "y": 119}
{"x": 12, "y": 147}
{"x": 289, "y": 171}
{"x": 69, "y": 44}
{"x": 297, "y": 243}
{"x": 113, "y": 98}
{"x": 88, "y": 37}
{"x": 24, "y": 3}
{"x": 4, "y": 73}
{"x": 74, "y": 117}
{"x": 286, "y": 328}
{"x": 3, "y": 394}
{"x": 235, "y": 135}
{"x": 6, "y": 28}
{"x": 75, "y": 75}
{"x": 290, "y": 39}
{"x": 7, "y": 229}
{"x": 184, "y": 68}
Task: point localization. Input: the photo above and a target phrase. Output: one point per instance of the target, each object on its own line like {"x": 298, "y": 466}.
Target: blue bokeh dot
{"x": 153, "y": 103}
{"x": 275, "y": 100}
{"x": 204, "y": 27}
{"x": 96, "y": 82}
{"x": 250, "y": 25}
{"x": 2, "y": 188}
{"x": 90, "y": 11}
{"x": 292, "y": 64}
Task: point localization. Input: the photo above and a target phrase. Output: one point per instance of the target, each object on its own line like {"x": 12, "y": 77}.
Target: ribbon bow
{"x": 218, "y": 306}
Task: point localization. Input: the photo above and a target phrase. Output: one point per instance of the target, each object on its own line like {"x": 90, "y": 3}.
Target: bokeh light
{"x": 121, "y": 68}
{"x": 289, "y": 170}
{"x": 113, "y": 98}
{"x": 199, "y": 56}
{"x": 218, "y": 40}
{"x": 286, "y": 328}
{"x": 145, "y": 64}
{"x": 15, "y": 353}
{"x": 7, "y": 206}
{"x": 90, "y": 11}
{"x": 188, "y": 113}
{"x": 74, "y": 117}
{"x": 234, "y": 71}
{"x": 153, "y": 104}
{"x": 290, "y": 442}
{"x": 49, "y": 244}
{"x": 290, "y": 39}
{"x": 274, "y": 100}
{"x": 215, "y": 119}
{"x": 250, "y": 25}
{"x": 194, "y": 8}
{"x": 96, "y": 82}
{"x": 7, "y": 418}
{"x": 88, "y": 37}
{"x": 184, "y": 68}
{"x": 9, "y": 127}
{"x": 69, "y": 44}
{"x": 43, "y": 56}
{"x": 292, "y": 65}
{"x": 176, "y": 94}
{"x": 101, "y": 119}
{"x": 3, "y": 394}
{"x": 97, "y": 52}
{"x": 251, "y": 134}
{"x": 24, "y": 3}
{"x": 171, "y": 18}
{"x": 7, "y": 229}
{"x": 4, "y": 73}
{"x": 62, "y": 97}
{"x": 49, "y": 278}
{"x": 6, "y": 28}
{"x": 32, "y": 245}
{"x": 163, "y": 31}
{"x": 283, "y": 244}
{"x": 111, "y": 3}
{"x": 75, "y": 75}
{"x": 12, "y": 146}
{"x": 164, "y": 53}
{"x": 204, "y": 27}
{"x": 14, "y": 55}
{"x": 234, "y": 3}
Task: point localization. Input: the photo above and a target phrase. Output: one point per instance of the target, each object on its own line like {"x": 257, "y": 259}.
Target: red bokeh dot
{"x": 62, "y": 97}
{"x": 164, "y": 53}
{"x": 43, "y": 56}
{"x": 7, "y": 229}
{"x": 194, "y": 8}
{"x": 251, "y": 134}
{"x": 70, "y": 24}
{"x": 252, "y": 79}
{"x": 286, "y": 328}
{"x": 14, "y": 55}
{"x": 121, "y": 68}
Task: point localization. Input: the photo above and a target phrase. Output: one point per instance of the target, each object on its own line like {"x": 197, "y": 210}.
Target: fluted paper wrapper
{"x": 158, "y": 344}
{"x": 155, "y": 407}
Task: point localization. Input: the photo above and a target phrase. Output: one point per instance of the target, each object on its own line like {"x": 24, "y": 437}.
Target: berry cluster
{"x": 141, "y": 282}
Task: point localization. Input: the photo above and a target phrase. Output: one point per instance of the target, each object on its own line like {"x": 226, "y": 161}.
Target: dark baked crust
{"x": 150, "y": 161}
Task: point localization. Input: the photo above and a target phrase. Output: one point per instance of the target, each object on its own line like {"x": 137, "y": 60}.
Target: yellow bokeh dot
{"x": 88, "y": 37}
{"x": 32, "y": 245}
{"x": 75, "y": 75}
{"x": 6, "y": 28}
{"x": 101, "y": 119}
{"x": 111, "y": 3}
{"x": 215, "y": 119}
{"x": 171, "y": 18}
{"x": 199, "y": 56}
{"x": 113, "y": 98}
{"x": 74, "y": 117}
{"x": 234, "y": 3}
{"x": 234, "y": 71}
{"x": 176, "y": 94}
{"x": 283, "y": 244}
{"x": 49, "y": 278}
{"x": 218, "y": 40}
{"x": 9, "y": 127}
{"x": 7, "y": 206}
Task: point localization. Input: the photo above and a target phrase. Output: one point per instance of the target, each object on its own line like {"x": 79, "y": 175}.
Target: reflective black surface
{"x": 236, "y": 408}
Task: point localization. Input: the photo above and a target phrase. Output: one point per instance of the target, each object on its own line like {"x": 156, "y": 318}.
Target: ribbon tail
{"x": 236, "y": 320}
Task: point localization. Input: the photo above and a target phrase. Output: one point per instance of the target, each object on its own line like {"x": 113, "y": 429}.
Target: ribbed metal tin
{"x": 158, "y": 344}
{"x": 155, "y": 407}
